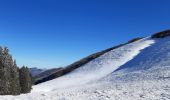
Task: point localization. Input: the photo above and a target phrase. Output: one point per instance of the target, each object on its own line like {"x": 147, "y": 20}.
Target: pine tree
{"x": 13, "y": 80}
{"x": 6, "y": 71}
{"x": 15, "y": 83}
{"x": 25, "y": 80}
{"x": 3, "y": 89}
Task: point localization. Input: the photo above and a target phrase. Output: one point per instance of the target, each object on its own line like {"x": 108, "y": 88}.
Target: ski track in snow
{"x": 136, "y": 71}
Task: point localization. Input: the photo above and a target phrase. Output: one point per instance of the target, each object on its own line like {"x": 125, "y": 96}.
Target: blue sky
{"x": 54, "y": 33}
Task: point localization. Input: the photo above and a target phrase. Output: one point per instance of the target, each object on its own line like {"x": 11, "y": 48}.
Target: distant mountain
{"x": 35, "y": 71}
{"x": 43, "y": 74}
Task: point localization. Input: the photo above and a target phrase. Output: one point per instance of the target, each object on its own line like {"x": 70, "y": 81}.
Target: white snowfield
{"x": 136, "y": 71}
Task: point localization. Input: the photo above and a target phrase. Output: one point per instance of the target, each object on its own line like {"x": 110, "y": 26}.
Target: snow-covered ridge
{"x": 98, "y": 68}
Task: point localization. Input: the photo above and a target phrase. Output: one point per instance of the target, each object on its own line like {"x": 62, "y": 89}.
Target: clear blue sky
{"x": 52, "y": 33}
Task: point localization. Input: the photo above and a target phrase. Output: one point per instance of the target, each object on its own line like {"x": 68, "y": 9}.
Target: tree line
{"x": 13, "y": 80}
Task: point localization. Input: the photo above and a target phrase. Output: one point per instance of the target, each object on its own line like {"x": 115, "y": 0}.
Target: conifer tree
{"x": 6, "y": 72}
{"x": 25, "y": 80}
{"x": 13, "y": 80}
{"x": 15, "y": 83}
{"x": 3, "y": 89}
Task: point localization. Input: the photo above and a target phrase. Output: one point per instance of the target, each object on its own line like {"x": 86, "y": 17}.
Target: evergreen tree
{"x": 12, "y": 80}
{"x": 15, "y": 83}
{"x": 6, "y": 82}
{"x": 2, "y": 74}
{"x": 25, "y": 80}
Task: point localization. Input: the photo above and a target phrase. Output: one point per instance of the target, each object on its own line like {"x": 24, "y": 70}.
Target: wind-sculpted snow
{"x": 136, "y": 71}
{"x": 98, "y": 68}
{"x": 152, "y": 63}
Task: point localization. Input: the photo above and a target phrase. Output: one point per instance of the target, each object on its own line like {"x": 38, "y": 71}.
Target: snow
{"x": 153, "y": 62}
{"x": 98, "y": 68}
{"x": 136, "y": 71}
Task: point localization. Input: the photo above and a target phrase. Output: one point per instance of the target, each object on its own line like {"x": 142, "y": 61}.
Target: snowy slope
{"x": 136, "y": 71}
{"x": 152, "y": 63}
{"x": 97, "y": 68}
